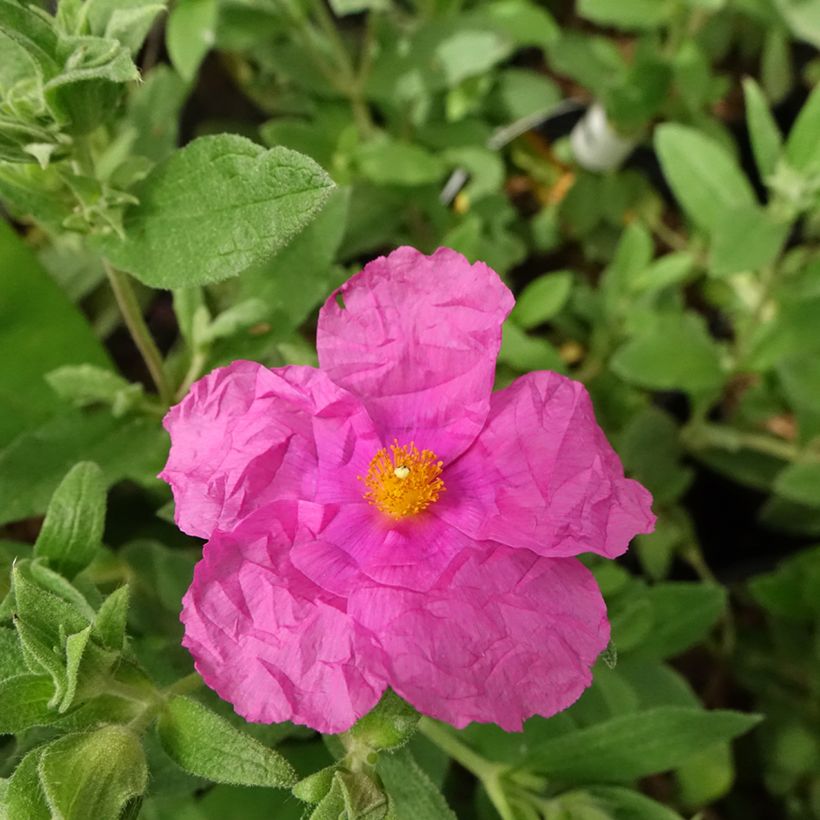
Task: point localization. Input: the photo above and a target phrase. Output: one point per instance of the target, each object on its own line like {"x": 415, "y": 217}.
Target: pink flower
{"x": 388, "y": 520}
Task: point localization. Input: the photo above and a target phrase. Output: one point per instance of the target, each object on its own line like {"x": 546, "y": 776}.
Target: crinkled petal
{"x": 416, "y": 339}
{"x": 541, "y": 475}
{"x": 246, "y": 435}
{"x": 267, "y": 639}
{"x": 506, "y": 635}
{"x": 361, "y": 545}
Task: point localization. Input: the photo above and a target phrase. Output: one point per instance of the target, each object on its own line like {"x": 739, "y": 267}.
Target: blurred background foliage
{"x": 645, "y": 175}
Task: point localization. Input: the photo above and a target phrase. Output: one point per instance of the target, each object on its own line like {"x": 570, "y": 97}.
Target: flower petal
{"x": 505, "y": 636}
{"x": 360, "y": 545}
{"x": 416, "y": 340}
{"x": 246, "y": 435}
{"x": 267, "y": 639}
{"x": 541, "y": 475}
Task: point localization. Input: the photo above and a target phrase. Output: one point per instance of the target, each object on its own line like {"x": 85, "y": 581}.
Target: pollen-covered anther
{"x": 403, "y": 480}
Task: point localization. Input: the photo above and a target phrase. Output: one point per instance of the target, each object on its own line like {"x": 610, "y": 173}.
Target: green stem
{"x": 702, "y": 436}
{"x": 199, "y": 358}
{"x": 487, "y": 772}
{"x": 353, "y": 81}
{"x": 132, "y": 314}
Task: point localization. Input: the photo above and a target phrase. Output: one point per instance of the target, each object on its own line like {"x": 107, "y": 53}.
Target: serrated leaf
{"x": 203, "y": 743}
{"x": 93, "y": 774}
{"x": 704, "y": 178}
{"x": 72, "y": 531}
{"x": 215, "y": 207}
{"x": 632, "y": 746}
{"x": 412, "y": 794}
{"x": 24, "y": 702}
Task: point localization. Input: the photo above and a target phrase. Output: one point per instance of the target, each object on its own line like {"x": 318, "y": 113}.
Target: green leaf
{"x": 32, "y": 465}
{"x": 93, "y": 774}
{"x": 801, "y": 483}
{"x": 542, "y": 299}
{"x": 343, "y": 7}
{"x": 671, "y": 269}
{"x": 767, "y": 141}
{"x": 626, "y": 14}
{"x": 109, "y": 625}
{"x": 24, "y": 702}
{"x": 389, "y": 725}
{"x": 297, "y": 279}
{"x": 803, "y": 19}
{"x": 632, "y": 746}
{"x": 706, "y": 776}
{"x": 33, "y": 32}
{"x": 703, "y": 176}
{"x": 84, "y": 385}
{"x": 207, "y": 745}
{"x": 389, "y": 162}
{"x": 362, "y": 796}
{"x": 74, "y": 649}
{"x": 72, "y": 531}
{"x": 526, "y": 353}
{"x": 41, "y": 608}
{"x": 618, "y": 803}
{"x": 24, "y": 796}
{"x": 792, "y": 591}
{"x": 214, "y": 208}
{"x": 651, "y": 451}
{"x": 684, "y": 613}
{"x": 802, "y": 146}
{"x": 776, "y": 71}
{"x": 43, "y": 329}
{"x": 189, "y": 34}
{"x": 674, "y": 353}
{"x": 84, "y": 94}
{"x": 153, "y": 110}
{"x": 315, "y": 787}
{"x": 520, "y": 93}
{"x": 412, "y": 794}
{"x": 332, "y": 805}
{"x": 11, "y": 654}
{"x": 130, "y": 26}
{"x": 746, "y": 239}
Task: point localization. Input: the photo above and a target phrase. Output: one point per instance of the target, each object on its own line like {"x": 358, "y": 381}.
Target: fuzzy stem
{"x": 132, "y": 314}
{"x": 487, "y": 772}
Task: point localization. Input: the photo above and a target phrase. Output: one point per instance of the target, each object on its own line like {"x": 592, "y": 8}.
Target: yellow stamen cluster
{"x": 403, "y": 480}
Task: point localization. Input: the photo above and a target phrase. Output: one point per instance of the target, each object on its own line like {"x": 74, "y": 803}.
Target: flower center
{"x": 403, "y": 480}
